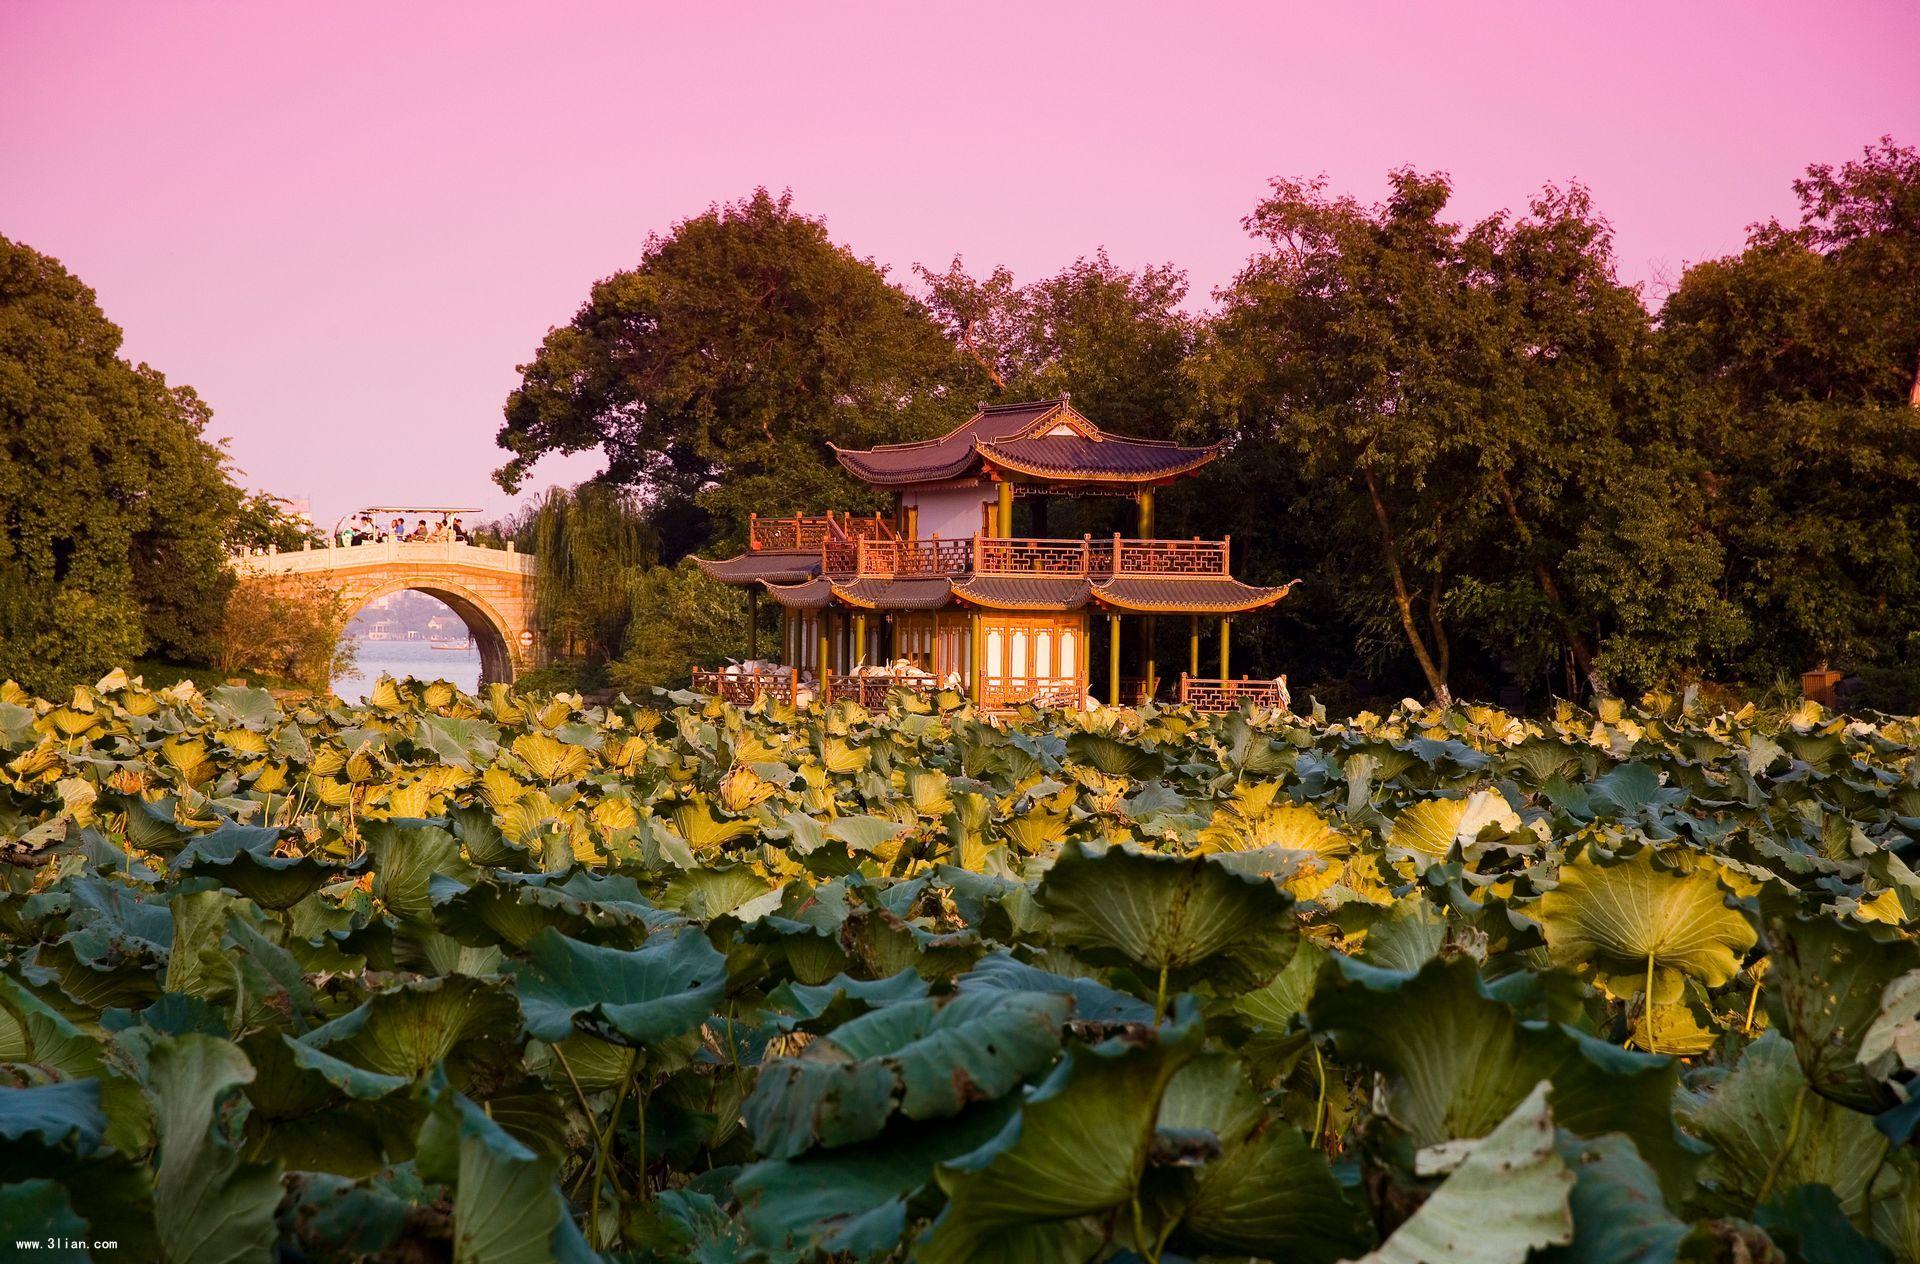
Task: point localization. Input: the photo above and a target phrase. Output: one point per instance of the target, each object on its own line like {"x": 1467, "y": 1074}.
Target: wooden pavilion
{"x": 944, "y": 590}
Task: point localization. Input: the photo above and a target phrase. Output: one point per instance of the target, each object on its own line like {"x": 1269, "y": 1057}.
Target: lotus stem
{"x": 1653, "y": 1043}
{"x": 1160, "y": 998}
{"x": 1751, "y": 1002}
{"x": 1320, "y": 1100}
{"x": 1780, "y": 1155}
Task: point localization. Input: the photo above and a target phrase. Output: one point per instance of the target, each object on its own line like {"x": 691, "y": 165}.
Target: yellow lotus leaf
{"x": 1675, "y": 1027}
{"x": 1252, "y": 798}
{"x": 694, "y": 821}
{"x": 525, "y": 816}
{"x": 327, "y": 761}
{"x": 627, "y": 756}
{"x": 335, "y": 794}
{"x": 1313, "y": 877}
{"x": 842, "y": 758}
{"x": 437, "y": 695}
{"x": 1884, "y": 907}
{"x": 1034, "y": 830}
{"x": 271, "y": 778}
{"x": 386, "y": 695}
{"x": 555, "y": 713}
{"x": 612, "y": 814}
{"x": 929, "y": 790}
{"x": 441, "y": 778}
{"x": 139, "y": 704}
{"x": 42, "y": 762}
{"x": 409, "y": 800}
{"x": 1627, "y": 921}
{"x": 499, "y": 788}
{"x": 1432, "y": 826}
{"x": 72, "y": 723}
{"x": 751, "y": 747}
{"x": 77, "y": 797}
{"x": 243, "y": 741}
{"x": 742, "y": 789}
{"x": 503, "y": 705}
{"x": 551, "y": 759}
{"x": 1294, "y": 826}
{"x": 185, "y": 754}
{"x": 360, "y": 767}
{"x": 128, "y": 780}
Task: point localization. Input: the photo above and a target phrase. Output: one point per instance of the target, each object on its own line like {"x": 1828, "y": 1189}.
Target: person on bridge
{"x": 459, "y": 532}
{"x": 399, "y": 528}
{"x": 346, "y": 534}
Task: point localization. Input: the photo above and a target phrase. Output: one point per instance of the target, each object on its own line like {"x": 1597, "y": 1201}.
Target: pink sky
{"x": 346, "y": 224}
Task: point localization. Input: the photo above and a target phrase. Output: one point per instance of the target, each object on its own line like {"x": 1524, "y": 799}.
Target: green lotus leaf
{"x": 1508, "y": 1198}
{"x": 1770, "y": 1132}
{"x": 332, "y": 1217}
{"x": 1075, "y": 1152}
{"x": 406, "y": 855}
{"x": 852, "y": 1202}
{"x": 667, "y": 986}
{"x": 1628, "y": 920}
{"x": 1269, "y": 1192}
{"x": 151, "y": 823}
{"x": 241, "y": 857}
{"x": 1618, "y": 1212}
{"x": 65, "y": 1112}
{"x": 1458, "y": 1059}
{"x": 841, "y": 997}
{"x": 38, "y": 1212}
{"x": 1626, "y": 791}
{"x": 1189, "y": 917}
{"x": 1094, "y": 1003}
{"x": 457, "y": 741}
{"x": 1114, "y": 758}
{"x": 208, "y": 1205}
{"x": 925, "y": 1059}
{"x": 1827, "y": 985}
{"x": 411, "y": 1028}
{"x": 1807, "y": 1223}
{"x": 506, "y": 1207}
{"x": 33, "y": 1033}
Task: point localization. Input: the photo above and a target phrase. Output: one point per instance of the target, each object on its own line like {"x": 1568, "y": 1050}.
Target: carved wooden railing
{"x": 1206, "y": 694}
{"x": 805, "y": 532}
{"x": 993, "y": 555}
{"x": 911, "y": 559}
{"x": 871, "y": 691}
{"x": 1050, "y": 691}
{"x": 1168, "y": 557}
{"x": 743, "y": 689}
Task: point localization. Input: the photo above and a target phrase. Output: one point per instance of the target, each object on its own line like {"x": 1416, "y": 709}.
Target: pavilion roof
{"x": 1186, "y": 594}
{"x": 894, "y": 594}
{"x": 1042, "y": 439}
{"x": 1021, "y": 592}
{"x": 785, "y": 566}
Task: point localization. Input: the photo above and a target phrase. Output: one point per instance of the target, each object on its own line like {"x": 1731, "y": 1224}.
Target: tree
{"x": 680, "y": 619}
{"x": 288, "y": 626}
{"x": 113, "y": 504}
{"x": 1798, "y": 357}
{"x": 1444, "y": 410}
{"x": 716, "y": 372}
{"x": 589, "y": 544}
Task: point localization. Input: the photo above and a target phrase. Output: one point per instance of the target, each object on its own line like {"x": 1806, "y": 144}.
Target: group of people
{"x": 363, "y": 529}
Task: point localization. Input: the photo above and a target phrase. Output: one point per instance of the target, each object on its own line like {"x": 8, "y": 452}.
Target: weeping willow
{"x": 589, "y": 544}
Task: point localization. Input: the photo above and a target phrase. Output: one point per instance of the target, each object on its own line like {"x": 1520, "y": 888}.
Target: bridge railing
{"x": 332, "y": 556}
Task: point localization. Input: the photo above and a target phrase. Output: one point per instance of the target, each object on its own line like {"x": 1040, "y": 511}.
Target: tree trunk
{"x": 1913, "y": 396}
{"x": 1403, "y": 599}
{"x": 1577, "y": 647}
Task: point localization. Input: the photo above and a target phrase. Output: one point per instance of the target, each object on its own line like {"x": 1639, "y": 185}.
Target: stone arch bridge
{"x": 490, "y": 589}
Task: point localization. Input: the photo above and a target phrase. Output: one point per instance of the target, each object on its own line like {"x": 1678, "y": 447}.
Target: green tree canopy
{"x": 717, "y": 370}
{"x": 114, "y": 505}
{"x": 1799, "y": 357}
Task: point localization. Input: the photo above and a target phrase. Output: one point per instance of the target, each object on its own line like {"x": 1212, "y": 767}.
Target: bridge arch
{"x": 490, "y": 589}
{"x": 490, "y": 630}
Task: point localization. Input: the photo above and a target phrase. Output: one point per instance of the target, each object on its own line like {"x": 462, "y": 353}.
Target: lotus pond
{"x": 499, "y": 979}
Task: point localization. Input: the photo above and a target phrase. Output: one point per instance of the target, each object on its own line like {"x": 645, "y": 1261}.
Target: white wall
{"x": 952, "y": 513}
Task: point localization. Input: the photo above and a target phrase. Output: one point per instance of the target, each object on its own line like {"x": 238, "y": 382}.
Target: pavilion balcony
{"x": 1105, "y": 558}
{"x": 807, "y": 532}
{"x": 1205, "y": 694}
